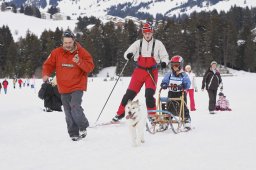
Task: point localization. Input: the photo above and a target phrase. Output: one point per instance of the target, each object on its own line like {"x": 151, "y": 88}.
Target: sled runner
{"x": 170, "y": 112}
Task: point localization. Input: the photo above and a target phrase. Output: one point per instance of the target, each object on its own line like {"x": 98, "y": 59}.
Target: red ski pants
{"x": 138, "y": 79}
{"x": 191, "y": 99}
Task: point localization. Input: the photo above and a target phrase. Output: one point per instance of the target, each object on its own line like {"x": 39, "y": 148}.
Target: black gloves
{"x": 164, "y": 85}
{"x": 129, "y": 56}
{"x": 163, "y": 64}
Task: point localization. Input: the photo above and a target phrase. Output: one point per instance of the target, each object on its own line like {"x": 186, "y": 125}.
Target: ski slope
{"x": 35, "y": 140}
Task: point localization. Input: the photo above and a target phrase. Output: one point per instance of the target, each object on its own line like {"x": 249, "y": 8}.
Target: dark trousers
{"x": 177, "y": 95}
{"x": 75, "y": 118}
{"x": 212, "y": 99}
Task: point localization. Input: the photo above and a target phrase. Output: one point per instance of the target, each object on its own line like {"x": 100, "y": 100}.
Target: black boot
{"x": 118, "y": 117}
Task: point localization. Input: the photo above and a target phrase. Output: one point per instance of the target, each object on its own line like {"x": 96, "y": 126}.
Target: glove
{"x": 129, "y": 56}
{"x": 164, "y": 85}
{"x": 163, "y": 64}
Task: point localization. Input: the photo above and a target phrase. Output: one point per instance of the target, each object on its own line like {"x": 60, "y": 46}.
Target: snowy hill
{"x": 19, "y": 24}
{"x": 99, "y": 8}
{"x": 33, "y": 139}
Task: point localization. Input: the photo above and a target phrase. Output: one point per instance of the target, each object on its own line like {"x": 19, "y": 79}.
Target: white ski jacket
{"x": 160, "y": 53}
{"x": 192, "y": 78}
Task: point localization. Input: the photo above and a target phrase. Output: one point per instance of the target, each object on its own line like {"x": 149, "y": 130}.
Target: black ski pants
{"x": 212, "y": 99}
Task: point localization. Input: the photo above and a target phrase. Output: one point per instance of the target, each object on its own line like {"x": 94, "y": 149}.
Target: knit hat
{"x": 213, "y": 62}
{"x": 221, "y": 94}
{"x": 147, "y": 28}
{"x": 188, "y": 67}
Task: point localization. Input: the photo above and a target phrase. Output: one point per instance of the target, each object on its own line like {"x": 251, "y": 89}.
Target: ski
{"x": 105, "y": 124}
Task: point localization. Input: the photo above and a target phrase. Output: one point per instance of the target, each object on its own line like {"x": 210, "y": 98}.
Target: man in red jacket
{"x": 72, "y": 64}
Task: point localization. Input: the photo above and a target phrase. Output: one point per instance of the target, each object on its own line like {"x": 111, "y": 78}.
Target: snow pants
{"x": 191, "y": 99}
{"x": 212, "y": 99}
{"x": 5, "y": 90}
{"x": 139, "y": 78}
{"x": 75, "y": 118}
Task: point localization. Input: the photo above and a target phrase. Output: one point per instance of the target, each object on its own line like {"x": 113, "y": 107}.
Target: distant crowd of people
{"x": 21, "y": 83}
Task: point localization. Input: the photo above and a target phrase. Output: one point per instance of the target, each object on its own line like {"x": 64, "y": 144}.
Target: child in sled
{"x": 222, "y": 103}
{"x": 176, "y": 81}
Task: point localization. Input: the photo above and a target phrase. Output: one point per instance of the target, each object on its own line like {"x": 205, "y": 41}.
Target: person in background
{"x": 27, "y": 81}
{"x": 222, "y": 103}
{"x": 72, "y": 63}
{"x": 14, "y": 82}
{"x": 192, "y": 88}
{"x": 5, "y": 86}
{"x": 147, "y": 52}
{"x": 20, "y": 83}
{"x": 212, "y": 81}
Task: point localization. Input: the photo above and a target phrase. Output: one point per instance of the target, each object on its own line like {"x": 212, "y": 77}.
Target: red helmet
{"x": 177, "y": 61}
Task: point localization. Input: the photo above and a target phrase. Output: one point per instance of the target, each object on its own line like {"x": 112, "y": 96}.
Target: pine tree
{"x": 58, "y": 37}
{"x": 29, "y": 55}
{"x": 21, "y": 9}
{"x": 5, "y": 41}
{"x": 131, "y": 29}
{"x": 98, "y": 54}
{"x": 11, "y": 61}
{"x": 53, "y": 10}
{"x": 37, "y": 12}
{"x": 47, "y": 44}
{"x": 28, "y": 11}
{"x": 123, "y": 44}
{"x": 110, "y": 44}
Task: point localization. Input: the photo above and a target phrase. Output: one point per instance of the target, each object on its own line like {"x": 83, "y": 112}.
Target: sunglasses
{"x": 68, "y": 35}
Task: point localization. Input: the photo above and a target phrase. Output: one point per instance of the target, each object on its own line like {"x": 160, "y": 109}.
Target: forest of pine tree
{"x": 198, "y": 38}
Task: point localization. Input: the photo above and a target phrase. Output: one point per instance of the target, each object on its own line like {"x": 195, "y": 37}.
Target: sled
{"x": 163, "y": 119}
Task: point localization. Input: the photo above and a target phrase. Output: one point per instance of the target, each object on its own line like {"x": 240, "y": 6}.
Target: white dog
{"x": 136, "y": 122}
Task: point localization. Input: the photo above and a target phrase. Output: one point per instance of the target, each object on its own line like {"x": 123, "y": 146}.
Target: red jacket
{"x": 70, "y": 76}
{"x": 20, "y": 81}
{"x": 5, "y": 84}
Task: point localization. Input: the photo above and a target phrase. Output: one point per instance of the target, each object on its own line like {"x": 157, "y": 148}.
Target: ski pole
{"x": 112, "y": 90}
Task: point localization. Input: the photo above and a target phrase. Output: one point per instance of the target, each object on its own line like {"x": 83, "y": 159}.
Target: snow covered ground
{"x": 31, "y": 139}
